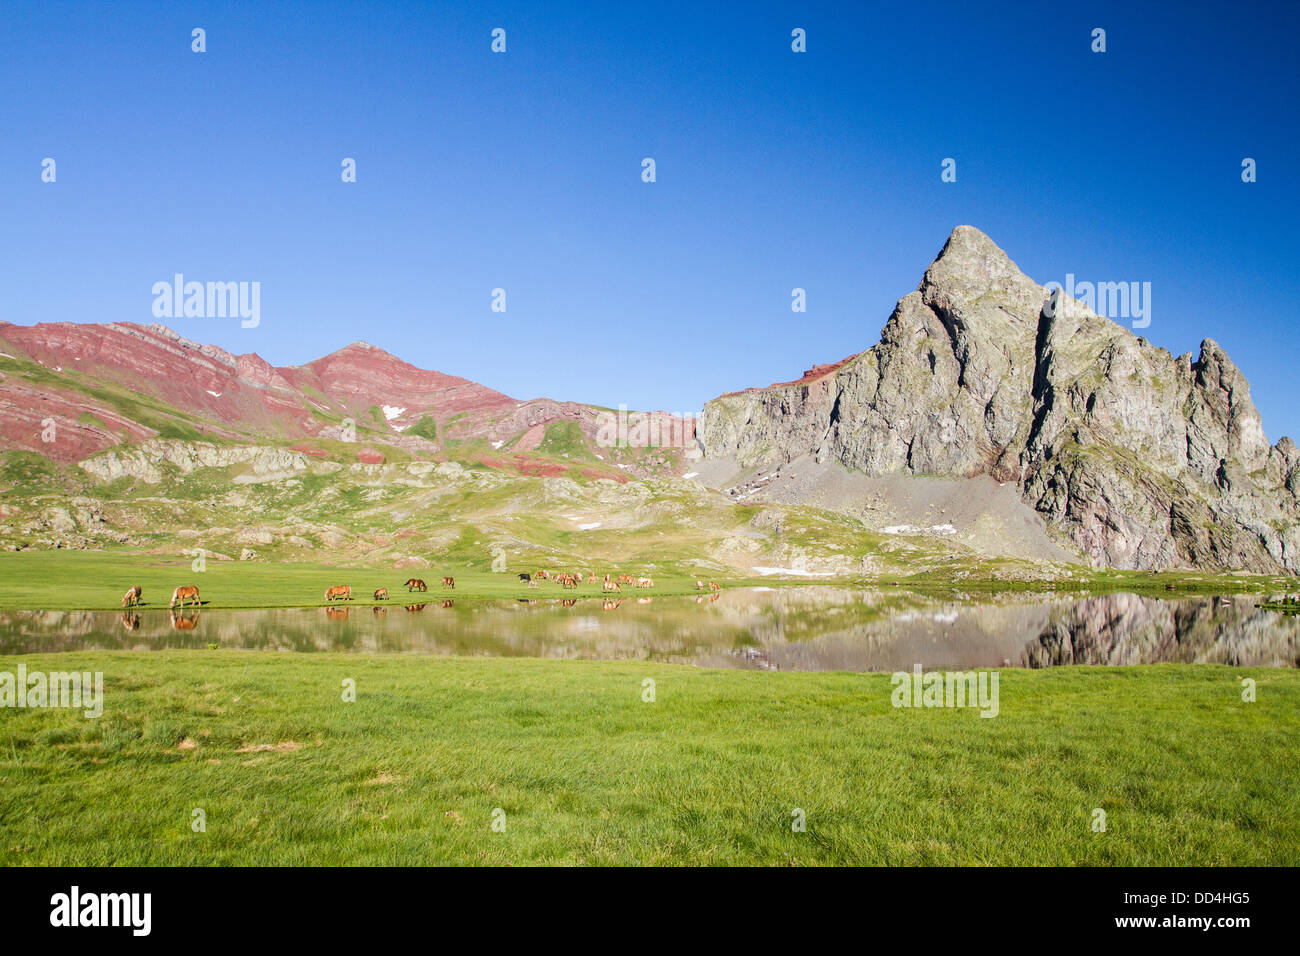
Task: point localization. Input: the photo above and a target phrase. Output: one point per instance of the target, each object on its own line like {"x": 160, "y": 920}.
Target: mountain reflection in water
{"x": 806, "y": 628}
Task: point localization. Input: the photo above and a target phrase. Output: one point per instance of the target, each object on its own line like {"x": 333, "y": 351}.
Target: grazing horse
{"x": 645, "y": 582}
{"x": 533, "y": 584}
{"x": 611, "y": 586}
{"x": 591, "y": 577}
{"x": 525, "y": 576}
{"x": 381, "y": 594}
{"x": 132, "y": 596}
{"x": 699, "y": 585}
{"x": 342, "y": 592}
{"x": 713, "y": 586}
{"x": 182, "y": 594}
{"x": 540, "y": 575}
{"x": 415, "y": 584}
{"x": 449, "y": 582}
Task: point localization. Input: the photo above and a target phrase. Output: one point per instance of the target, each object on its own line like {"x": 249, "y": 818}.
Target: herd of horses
{"x": 188, "y": 594}
{"x": 343, "y": 592}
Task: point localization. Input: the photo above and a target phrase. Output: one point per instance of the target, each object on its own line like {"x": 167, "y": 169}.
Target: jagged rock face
{"x": 1136, "y": 458}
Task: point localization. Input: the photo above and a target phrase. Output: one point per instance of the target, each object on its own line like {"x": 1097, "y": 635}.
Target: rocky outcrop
{"x": 1135, "y": 458}
{"x": 146, "y": 461}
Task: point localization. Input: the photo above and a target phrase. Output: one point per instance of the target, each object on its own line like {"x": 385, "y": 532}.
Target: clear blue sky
{"x": 775, "y": 170}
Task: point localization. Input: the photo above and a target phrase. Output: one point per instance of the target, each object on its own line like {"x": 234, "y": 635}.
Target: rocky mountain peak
{"x": 1135, "y": 459}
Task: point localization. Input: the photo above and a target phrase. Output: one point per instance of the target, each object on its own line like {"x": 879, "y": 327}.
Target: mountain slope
{"x": 1134, "y": 458}
{"x": 70, "y": 390}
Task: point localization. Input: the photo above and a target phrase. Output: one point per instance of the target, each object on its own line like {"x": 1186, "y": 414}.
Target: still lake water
{"x": 808, "y": 629}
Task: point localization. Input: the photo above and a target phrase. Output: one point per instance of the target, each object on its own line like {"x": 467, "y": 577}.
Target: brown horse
{"x": 342, "y": 592}
{"x": 611, "y": 586}
{"x": 415, "y": 584}
{"x": 185, "y": 622}
{"x": 184, "y": 593}
{"x": 449, "y": 582}
{"x": 132, "y": 596}
{"x": 381, "y": 594}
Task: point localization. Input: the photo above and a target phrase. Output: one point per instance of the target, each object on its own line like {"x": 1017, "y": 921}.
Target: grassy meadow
{"x": 96, "y": 580}
{"x": 587, "y": 772}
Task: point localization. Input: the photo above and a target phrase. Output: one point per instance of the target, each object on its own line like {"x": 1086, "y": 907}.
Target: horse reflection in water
{"x": 415, "y": 607}
{"x": 611, "y": 605}
{"x": 447, "y": 604}
{"x": 184, "y": 621}
{"x": 337, "y": 613}
{"x": 130, "y": 621}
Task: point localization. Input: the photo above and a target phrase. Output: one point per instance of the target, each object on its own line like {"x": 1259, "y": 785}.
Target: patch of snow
{"x": 392, "y": 411}
{"x": 912, "y": 529}
{"x": 589, "y": 527}
{"x": 212, "y": 393}
{"x": 690, "y": 474}
{"x": 497, "y": 444}
{"x": 800, "y": 574}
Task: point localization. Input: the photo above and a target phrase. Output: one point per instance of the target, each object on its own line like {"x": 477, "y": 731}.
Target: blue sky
{"x": 522, "y": 171}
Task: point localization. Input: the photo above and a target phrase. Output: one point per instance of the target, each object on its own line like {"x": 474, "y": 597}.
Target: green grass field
{"x": 96, "y": 580}
{"x": 586, "y": 772}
